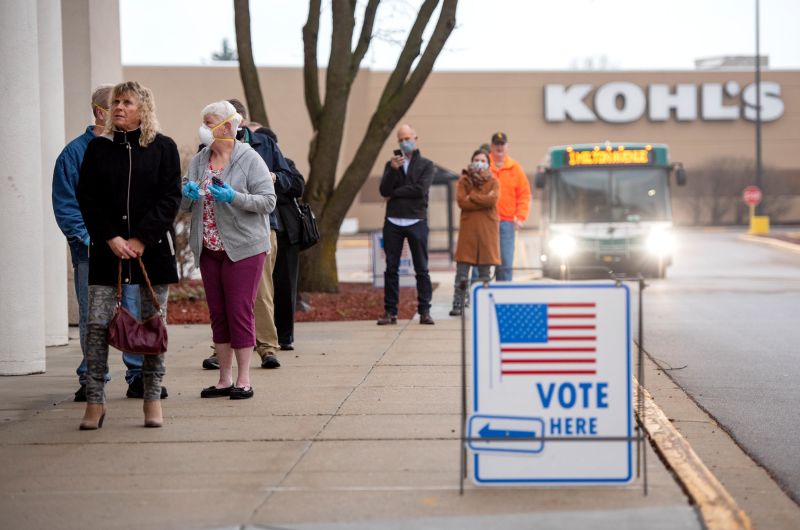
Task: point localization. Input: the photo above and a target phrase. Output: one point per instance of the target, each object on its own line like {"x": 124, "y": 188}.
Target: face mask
{"x": 408, "y": 146}
{"x": 480, "y": 165}
{"x": 105, "y": 110}
{"x": 206, "y": 133}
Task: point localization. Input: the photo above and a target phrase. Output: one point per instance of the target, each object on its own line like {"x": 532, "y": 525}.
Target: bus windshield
{"x": 602, "y": 195}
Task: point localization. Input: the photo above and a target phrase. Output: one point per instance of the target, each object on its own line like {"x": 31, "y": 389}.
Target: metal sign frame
{"x": 638, "y": 437}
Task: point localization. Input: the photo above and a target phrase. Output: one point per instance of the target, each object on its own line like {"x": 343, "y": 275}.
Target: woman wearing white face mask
{"x": 478, "y": 231}
{"x": 230, "y": 193}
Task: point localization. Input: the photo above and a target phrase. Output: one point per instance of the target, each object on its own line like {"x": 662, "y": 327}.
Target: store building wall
{"x": 457, "y": 111}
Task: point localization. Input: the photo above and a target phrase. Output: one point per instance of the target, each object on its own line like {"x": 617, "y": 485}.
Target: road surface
{"x": 729, "y": 312}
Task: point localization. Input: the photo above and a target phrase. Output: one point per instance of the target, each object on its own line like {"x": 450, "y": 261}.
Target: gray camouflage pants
{"x": 102, "y": 302}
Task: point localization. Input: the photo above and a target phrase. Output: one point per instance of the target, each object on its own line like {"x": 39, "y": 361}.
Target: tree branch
{"x": 247, "y": 66}
{"x": 310, "y": 68}
{"x": 387, "y": 115}
{"x": 411, "y": 50}
{"x": 364, "y": 38}
{"x": 337, "y": 74}
{"x": 444, "y": 26}
{"x": 325, "y": 147}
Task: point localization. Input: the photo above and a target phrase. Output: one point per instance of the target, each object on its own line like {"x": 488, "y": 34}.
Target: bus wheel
{"x": 657, "y": 270}
{"x": 549, "y": 272}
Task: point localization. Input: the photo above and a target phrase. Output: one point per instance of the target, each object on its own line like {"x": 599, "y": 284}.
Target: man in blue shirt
{"x": 69, "y": 219}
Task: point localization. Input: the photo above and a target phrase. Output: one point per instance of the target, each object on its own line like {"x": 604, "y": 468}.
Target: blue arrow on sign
{"x": 499, "y": 434}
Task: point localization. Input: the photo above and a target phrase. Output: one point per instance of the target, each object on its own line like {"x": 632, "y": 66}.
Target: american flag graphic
{"x": 548, "y": 339}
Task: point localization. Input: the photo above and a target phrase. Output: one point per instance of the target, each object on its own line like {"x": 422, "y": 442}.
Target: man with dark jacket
{"x": 406, "y": 181}
{"x": 287, "y": 264}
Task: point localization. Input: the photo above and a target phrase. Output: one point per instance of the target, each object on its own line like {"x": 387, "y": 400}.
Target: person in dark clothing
{"x": 287, "y": 264}
{"x": 406, "y": 181}
{"x": 128, "y": 192}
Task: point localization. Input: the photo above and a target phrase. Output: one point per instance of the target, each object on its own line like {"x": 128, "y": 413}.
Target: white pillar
{"x": 22, "y": 349}
{"x": 92, "y": 57}
{"x": 51, "y": 96}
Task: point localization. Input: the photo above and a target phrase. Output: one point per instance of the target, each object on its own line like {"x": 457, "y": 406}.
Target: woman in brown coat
{"x": 478, "y": 232}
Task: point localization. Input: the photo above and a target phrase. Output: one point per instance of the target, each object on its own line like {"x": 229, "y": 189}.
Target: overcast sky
{"x": 490, "y": 34}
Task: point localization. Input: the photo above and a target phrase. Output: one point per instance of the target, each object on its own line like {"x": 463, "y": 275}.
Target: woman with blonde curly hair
{"x": 129, "y": 193}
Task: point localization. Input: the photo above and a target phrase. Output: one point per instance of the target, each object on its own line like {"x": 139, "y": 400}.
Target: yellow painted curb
{"x": 717, "y": 507}
{"x": 771, "y": 242}
{"x": 353, "y": 243}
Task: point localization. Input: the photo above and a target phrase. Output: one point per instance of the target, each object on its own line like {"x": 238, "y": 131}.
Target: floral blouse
{"x": 211, "y": 239}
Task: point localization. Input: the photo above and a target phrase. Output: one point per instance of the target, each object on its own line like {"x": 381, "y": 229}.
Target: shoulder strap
{"x": 146, "y": 279}
{"x": 149, "y": 285}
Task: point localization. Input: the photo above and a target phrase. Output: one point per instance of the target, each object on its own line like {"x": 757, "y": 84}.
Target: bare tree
{"x": 247, "y": 66}
{"x": 714, "y": 193}
{"x": 330, "y": 200}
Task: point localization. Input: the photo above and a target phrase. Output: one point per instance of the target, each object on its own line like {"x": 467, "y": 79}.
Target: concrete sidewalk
{"x": 358, "y": 429}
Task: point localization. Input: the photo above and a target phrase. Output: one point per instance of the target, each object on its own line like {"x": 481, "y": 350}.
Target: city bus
{"x": 606, "y": 209}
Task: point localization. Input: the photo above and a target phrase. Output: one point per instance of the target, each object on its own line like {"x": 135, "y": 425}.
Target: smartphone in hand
{"x": 216, "y": 181}
{"x": 398, "y": 152}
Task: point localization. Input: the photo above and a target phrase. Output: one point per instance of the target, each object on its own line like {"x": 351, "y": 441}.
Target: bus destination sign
{"x": 608, "y": 157}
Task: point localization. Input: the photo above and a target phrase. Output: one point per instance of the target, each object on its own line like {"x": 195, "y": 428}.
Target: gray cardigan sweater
{"x": 243, "y": 224}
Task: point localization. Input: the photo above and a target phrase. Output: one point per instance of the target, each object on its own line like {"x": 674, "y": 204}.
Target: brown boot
{"x": 93, "y": 417}
{"x": 152, "y": 413}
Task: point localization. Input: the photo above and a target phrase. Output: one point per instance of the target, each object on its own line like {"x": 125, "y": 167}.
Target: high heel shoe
{"x": 152, "y": 413}
{"x": 93, "y": 417}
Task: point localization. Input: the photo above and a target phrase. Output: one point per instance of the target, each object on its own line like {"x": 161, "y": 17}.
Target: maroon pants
{"x": 231, "y": 289}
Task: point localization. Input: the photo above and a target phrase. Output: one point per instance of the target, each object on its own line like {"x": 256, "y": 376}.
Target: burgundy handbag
{"x": 129, "y": 334}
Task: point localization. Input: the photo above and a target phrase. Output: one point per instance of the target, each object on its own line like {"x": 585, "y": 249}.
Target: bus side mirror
{"x": 539, "y": 178}
{"x": 680, "y": 175}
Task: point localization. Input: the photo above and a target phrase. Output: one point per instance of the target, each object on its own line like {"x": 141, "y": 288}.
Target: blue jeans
{"x": 130, "y": 300}
{"x": 507, "y": 236}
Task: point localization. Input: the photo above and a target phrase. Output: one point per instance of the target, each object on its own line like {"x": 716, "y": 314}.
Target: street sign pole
{"x": 759, "y": 224}
{"x": 759, "y": 183}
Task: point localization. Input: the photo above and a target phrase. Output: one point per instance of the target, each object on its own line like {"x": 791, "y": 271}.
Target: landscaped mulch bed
{"x": 354, "y": 301}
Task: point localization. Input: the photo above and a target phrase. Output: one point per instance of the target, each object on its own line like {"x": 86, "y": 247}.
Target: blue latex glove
{"x": 191, "y": 191}
{"x": 86, "y": 241}
{"x": 222, "y": 193}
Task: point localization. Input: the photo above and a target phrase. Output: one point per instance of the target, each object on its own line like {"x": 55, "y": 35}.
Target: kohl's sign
{"x": 624, "y": 102}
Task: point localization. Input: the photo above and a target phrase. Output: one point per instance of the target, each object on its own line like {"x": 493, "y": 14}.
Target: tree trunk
{"x": 247, "y": 66}
{"x": 329, "y": 201}
{"x": 316, "y": 271}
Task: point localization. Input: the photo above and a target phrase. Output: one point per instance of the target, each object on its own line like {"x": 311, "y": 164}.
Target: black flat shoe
{"x": 241, "y": 393}
{"x": 286, "y": 346}
{"x": 212, "y": 392}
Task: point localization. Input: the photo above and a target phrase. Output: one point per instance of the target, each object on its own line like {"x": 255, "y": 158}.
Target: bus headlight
{"x": 660, "y": 242}
{"x": 563, "y": 245}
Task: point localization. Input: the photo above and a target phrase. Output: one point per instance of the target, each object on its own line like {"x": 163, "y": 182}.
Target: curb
{"x": 717, "y": 507}
{"x": 771, "y": 241}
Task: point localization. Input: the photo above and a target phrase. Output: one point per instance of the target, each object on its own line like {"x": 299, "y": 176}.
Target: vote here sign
{"x": 551, "y": 383}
